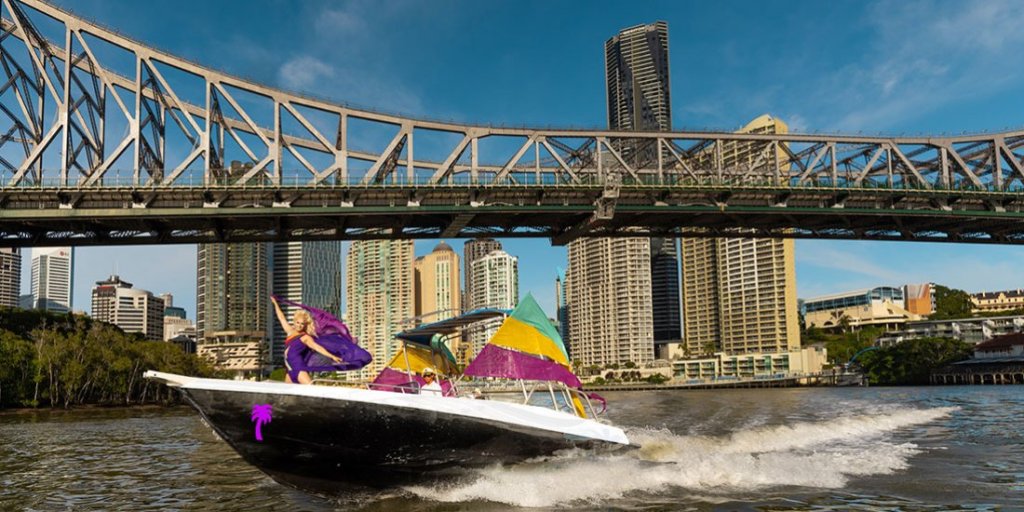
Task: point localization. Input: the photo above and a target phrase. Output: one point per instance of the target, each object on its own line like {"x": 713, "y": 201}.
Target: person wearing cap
{"x": 431, "y": 384}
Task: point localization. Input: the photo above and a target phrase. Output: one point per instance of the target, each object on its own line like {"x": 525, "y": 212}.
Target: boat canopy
{"x": 424, "y": 334}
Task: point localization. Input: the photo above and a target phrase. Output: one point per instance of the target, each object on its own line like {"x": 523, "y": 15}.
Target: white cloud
{"x": 305, "y": 72}
{"x": 926, "y": 55}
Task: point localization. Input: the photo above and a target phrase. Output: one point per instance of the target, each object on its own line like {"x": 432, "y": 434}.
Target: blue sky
{"x": 889, "y": 67}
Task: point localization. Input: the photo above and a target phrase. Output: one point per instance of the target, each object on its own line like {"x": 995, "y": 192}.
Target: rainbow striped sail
{"x": 525, "y": 347}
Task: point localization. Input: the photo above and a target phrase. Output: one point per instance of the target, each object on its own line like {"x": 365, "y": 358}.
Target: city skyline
{"x": 723, "y": 87}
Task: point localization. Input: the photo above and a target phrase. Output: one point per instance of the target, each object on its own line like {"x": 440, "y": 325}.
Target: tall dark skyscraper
{"x": 665, "y": 289}
{"x": 636, "y": 63}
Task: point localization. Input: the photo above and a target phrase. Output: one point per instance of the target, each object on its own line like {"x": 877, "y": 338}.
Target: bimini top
{"x": 424, "y": 334}
{"x": 526, "y": 347}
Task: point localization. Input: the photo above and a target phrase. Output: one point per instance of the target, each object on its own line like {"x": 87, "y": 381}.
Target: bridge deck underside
{"x": 35, "y": 217}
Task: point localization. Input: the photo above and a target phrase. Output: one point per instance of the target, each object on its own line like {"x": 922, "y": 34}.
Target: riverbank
{"x": 85, "y": 408}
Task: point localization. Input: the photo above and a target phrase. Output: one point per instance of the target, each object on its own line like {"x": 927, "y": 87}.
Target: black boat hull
{"x": 329, "y": 445}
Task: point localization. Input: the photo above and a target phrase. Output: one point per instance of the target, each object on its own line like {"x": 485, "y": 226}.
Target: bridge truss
{"x": 105, "y": 140}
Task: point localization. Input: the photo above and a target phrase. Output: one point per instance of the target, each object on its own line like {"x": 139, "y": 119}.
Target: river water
{"x": 929, "y": 448}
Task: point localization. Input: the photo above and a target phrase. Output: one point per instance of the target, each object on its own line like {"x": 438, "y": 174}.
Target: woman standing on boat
{"x": 300, "y": 344}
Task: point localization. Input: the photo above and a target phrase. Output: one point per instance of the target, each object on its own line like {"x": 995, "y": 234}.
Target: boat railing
{"x": 562, "y": 397}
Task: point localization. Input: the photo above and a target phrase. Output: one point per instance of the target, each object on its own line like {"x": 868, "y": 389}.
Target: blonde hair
{"x": 304, "y": 316}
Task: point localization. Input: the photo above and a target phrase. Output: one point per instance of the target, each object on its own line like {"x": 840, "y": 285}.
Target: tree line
{"x": 64, "y": 360}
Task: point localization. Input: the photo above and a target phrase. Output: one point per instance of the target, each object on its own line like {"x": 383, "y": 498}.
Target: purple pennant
{"x": 261, "y": 413}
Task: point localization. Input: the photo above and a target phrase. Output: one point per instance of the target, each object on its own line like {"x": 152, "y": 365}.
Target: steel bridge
{"x": 105, "y": 140}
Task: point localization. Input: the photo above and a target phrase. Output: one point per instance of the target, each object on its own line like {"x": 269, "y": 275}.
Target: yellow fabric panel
{"x": 418, "y": 360}
{"x": 524, "y": 337}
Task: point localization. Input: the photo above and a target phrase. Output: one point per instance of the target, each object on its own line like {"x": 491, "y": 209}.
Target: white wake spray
{"x": 821, "y": 454}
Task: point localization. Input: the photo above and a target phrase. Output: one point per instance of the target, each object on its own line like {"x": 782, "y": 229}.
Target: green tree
{"x": 951, "y": 303}
{"x": 911, "y": 362}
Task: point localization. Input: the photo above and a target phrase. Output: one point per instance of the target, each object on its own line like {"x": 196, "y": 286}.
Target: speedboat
{"x": 329, "y": 437}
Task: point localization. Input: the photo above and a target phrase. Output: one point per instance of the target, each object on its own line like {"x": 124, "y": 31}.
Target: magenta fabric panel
{"x": 495, "y": 361}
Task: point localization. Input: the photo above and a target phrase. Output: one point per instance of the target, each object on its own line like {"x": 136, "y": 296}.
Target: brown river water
{"x": 925, "y": 448}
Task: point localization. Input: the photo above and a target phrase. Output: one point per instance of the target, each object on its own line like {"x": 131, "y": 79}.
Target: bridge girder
{"x": 91, "y": 116}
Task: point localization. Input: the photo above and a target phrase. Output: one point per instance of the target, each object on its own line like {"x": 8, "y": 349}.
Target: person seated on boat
{"x": 300, "y": 341}
{"x": 431, "y": 384}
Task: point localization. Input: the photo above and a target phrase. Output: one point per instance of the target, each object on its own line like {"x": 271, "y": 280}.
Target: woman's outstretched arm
{"x": 281, "y": 318}
{"x": 311, "y": 343}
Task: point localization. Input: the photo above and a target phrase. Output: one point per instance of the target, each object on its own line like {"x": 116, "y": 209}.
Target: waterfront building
{"x": 608, "y": 289}
{"x": 562, "y": 310}
{"x": 722, "y": 365}
{"x": 1007, "y": 300}
{"x": 308, "y": 273}
{"x": 919, "y": 298}
{"x": 10, "y": 277}
{"x": 53, "y": 278}
{"x": 437, "y": 280}
{"x": 472, "y": 251}
{"x": 882, "y": 306}
{"x": 380, "y": 296}
{"x": 999, "y": 360}
{"x": 240, "y": 352}
{"x": 970, "y": 330}
{"x": 496, "y": 282}
{"x": 233, "y": 306}
{"x": 134, "y": 310}
{"x": 739, "y": 294}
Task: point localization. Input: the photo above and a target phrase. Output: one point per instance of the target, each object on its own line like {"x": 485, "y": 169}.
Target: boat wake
{"x": 822, "y": 454}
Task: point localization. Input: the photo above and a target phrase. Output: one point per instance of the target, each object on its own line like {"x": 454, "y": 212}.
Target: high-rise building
{"x": 665, "y": 289}
{"x": 437, "y": 284}
{"x": 380, "y": 296}
{"x": 562, "y": 310}
{"x": 232, "y": 305}
{"x": 308, "y": 273}
{"x": 739, "y": 294}
{"x": 53, "y": 278}
{"x": 176, "y": 323}
{"x": 116, "y": 302}
{"x": 609, "y": 283}
{"x": 10, "y": 277}
{"x": 636, "y": 65}
{"x": 608, "y": 289}
{"x": 496, "y": 283}
{"x": 472, "y": 251}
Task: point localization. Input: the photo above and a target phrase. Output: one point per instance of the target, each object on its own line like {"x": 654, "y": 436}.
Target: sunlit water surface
{"x": 936, "y": 448}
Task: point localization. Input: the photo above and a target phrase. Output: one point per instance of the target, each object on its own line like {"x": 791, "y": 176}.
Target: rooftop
{"x": 1000, "y": 343}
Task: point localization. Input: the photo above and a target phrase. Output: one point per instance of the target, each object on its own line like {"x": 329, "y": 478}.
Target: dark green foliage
{"x": 912, "y": 361}
{"x": 66, "y": 360}
{"x": 951, "y": 303}
{"x": 278, "y": 374}
{"x": 657, "y": 378}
